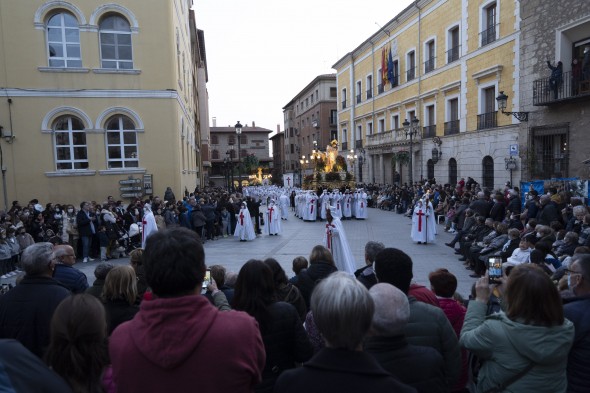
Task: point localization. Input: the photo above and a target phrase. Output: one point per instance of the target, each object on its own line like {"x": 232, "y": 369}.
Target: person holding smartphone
{"x": 525, "y": 348}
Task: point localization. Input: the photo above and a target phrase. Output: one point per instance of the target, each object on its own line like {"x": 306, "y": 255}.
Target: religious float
{"x": 328, "y": 170}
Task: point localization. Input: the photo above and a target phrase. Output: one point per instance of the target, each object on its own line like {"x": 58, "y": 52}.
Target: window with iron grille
{"x": 549, "y": 152}
{"x": 487, "y": 172}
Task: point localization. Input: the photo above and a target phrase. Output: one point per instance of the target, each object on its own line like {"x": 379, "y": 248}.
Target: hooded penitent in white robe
{"x": 421, "y": 232}
{"x": 148, "y": 225}
{"x": 335, "y": 241}
{"x": 347, "y": 205}
{"x": 361, "y": 206}
{"x": 244, "y": 226}
{"x": 284, "y": 204}
{"x": 273, "y": 219}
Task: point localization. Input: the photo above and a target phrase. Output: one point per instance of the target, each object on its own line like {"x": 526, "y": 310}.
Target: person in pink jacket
{"x": 179, "y": 342}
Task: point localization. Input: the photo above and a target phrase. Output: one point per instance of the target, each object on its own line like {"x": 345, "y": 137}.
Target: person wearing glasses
{"x": 66, "y": 273}
{"x": 576, "y": 310}
{"x": 26, "y": 310}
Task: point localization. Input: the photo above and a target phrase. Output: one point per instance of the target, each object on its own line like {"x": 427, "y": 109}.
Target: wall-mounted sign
{"x": 131, "y": 195}
{"x": 130, "y": 181}
{"x": 147, "y": 185}
{"x": 137, "y": 188}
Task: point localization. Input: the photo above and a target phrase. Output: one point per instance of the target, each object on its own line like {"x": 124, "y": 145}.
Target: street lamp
{"x": 239, "y": 133}
{"x": 502, "y": 101}
{"x": 351, "y": 157}
{"x": 510, "y": 165}
{"x": 411, "y": 131}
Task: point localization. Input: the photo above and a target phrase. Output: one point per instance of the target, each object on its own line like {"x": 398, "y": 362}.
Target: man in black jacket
{"x": 27, "y": 309}
{"x": 549, "y": 211}
{"x": 254, "y": 210}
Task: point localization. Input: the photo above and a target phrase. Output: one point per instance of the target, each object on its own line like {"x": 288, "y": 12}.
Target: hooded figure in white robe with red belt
{"x": 421, "y": 230}
{"x": 273, "y": 218}
{"x": 244, "y": 227}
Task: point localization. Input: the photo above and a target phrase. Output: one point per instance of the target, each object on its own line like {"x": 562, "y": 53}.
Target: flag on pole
{"x": 390, "y": 74}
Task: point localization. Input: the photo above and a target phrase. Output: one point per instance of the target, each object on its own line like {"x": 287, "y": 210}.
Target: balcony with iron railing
{"x": 411, "y": 74}
{"x": 453, "y": 54}
{"x": 429, "y": 65}
{"x": 429, "y": 131}
{"x": 369, "y": 94}
{"x": 488, "y": 35}
{"x": 358, "y": 98}
{"x": 487, "y": 120}
{"x": 387, "y": 138}
{"x": 343, "y": 104}
{"x": 572, "y": 87}
{"x": 452, "y": 127}
{"x": 358, "y": 144}
{"x": 344, "y": 146}
{"x": 380, "y": 88}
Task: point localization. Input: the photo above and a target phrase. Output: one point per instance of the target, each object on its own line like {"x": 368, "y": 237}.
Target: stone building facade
{"x": 555, "y": 141}
{"x": 224, "y": 153}
{"x": 449, "y": 61}
{"x": 310, "y": 122}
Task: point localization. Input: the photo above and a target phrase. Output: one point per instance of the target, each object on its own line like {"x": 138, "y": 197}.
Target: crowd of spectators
{"x": 154, "y": 326}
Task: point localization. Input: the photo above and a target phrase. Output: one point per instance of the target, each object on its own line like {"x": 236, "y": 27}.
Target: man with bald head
{"x": 66, "y": 273}
{"x": 418, "y": 366}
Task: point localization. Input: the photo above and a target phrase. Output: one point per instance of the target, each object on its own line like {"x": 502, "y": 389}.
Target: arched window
{"x": 70, "y": 144}
{"x": 215, "y": 155}
{"x": 121, "y": 137}
{"x": 115, "y": 43}
{"x": 430, "y": 169}
{"x": 452, "y": 171}
{"x": 487, "y": 174}
{"x": 63, "y": 41}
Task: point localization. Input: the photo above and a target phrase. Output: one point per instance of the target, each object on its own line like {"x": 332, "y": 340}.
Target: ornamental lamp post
{"x": 238, "y": 127}
{"x": 411, "y": 131}
{"x": 502, "y": 103}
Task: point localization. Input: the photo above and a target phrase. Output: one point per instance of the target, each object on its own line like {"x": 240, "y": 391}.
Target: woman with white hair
{"x": 343, "y": 311}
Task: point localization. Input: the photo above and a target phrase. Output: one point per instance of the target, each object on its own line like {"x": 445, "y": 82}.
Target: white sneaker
{"x": 85, "y": 260}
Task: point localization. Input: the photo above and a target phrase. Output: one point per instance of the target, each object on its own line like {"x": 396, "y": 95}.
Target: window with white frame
{"x": 369, "y": 86}
{"x": 430, "y": 55}
{"x": 70, "y": 144}
{"x": 344, "y": 98}
{"x": 452, "y": 116}
{"x": 429, "y": 121}
{"x": 489, "y": 21}
{"x": 63, "y": 41}
{"x": 115, "y": 43}
{"x": 453, "y": 45}
{"x": 121, "y": 137}
{"x": 359, "y": 92}
{"x": 380, "y": 126}
{"x": 370, "y": 128}
{"x": 380, "y": 87}
{"x": 410, "y": 66}
{"x": 395, "y": 122}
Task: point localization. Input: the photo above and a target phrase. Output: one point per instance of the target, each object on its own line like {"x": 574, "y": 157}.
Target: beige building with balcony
{"x": 442, "y": 63}
{"x": 95, "y": 94}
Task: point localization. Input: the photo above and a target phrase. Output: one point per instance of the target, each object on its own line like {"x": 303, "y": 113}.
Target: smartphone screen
{"x": 495, "y": 270}
{"x": 207, "y": 279}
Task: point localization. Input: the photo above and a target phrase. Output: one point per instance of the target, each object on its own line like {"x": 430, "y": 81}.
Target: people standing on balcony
{"x": 556, "y": 77}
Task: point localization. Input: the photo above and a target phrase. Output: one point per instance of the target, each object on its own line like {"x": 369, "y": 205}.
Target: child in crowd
{"x": 225, "y": 223}
{"x": 103, "y": 242}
